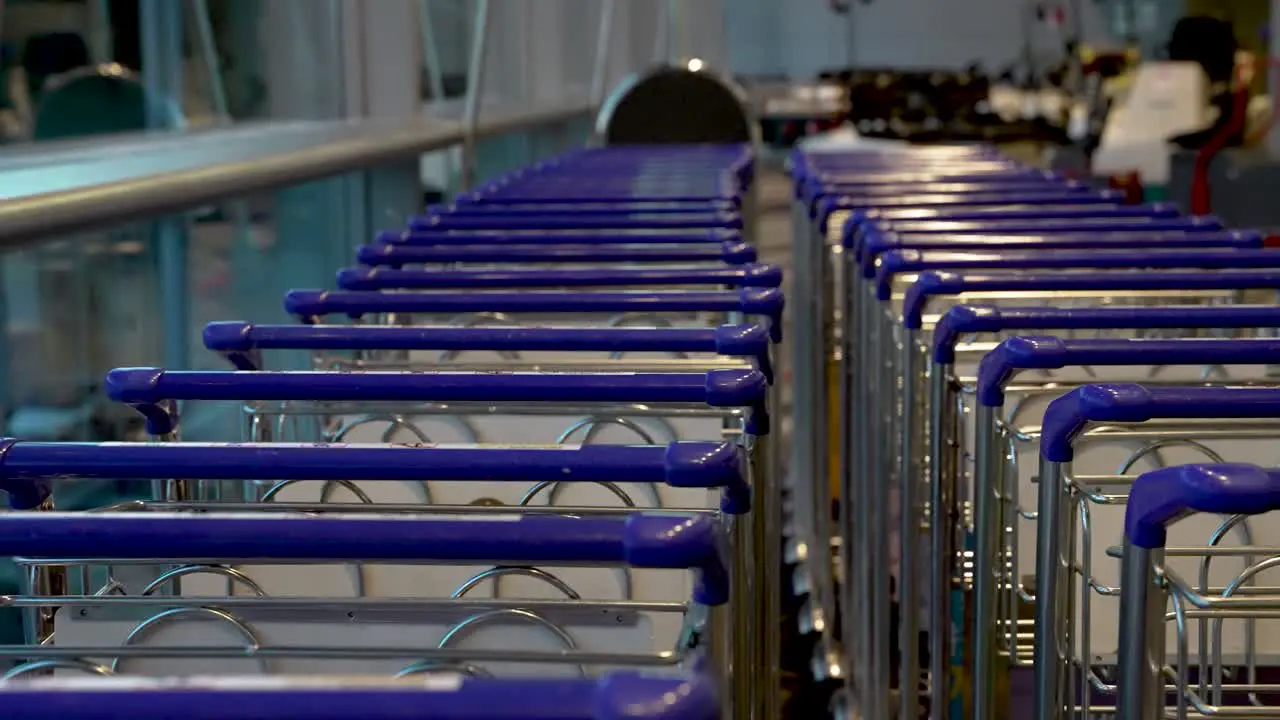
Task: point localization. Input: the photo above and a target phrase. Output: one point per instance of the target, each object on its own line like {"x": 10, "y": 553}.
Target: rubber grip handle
{"x": 391, "y": 255}
{"x": 933, "y": 284}
{"x": 1052, "y": 353}
{"x": 310, "y": 305}
{"x": 1011, "y": 211}
{"x": 922, "y": 198}
{"x": 563, "y": 237}
{"x": 1072, "y": 226}
{"x": 963, "y": 320}
{"x": 1066, "y": 417}
{"x": 639, "y": 540}
{"x": 874, "y": 243}
{"x": 899, "y": 262}
{"x": 152, "y": 390}
{"x": 1162, "y": 496}
{"x": 565, "y": 221}
{"x": 240, "y": 342}
{"x": 473, "y": 204}
{"x": 613, "y": 696}
{"x": 363, "y": 278}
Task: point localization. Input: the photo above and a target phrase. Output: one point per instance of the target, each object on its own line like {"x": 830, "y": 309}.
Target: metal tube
{"x": 1140, "y": 685}
{"x": 820, "y": 553}
{"x": 209, "y": 53}
{"x": 851, "y": 452}
{"x": 430, "y": 51}
{"x": 988, "y": 470}
{"x": 880, "y": 480}
{"x": 600, "y": 68}
{"x": 768, "y": 588}
{"x": 475, "y": 91}
{"x": 162, "y": 76}
{"x": 909, "y": 529}
{"x": 941, "y": 527}
{"x": 1049, "y": 656}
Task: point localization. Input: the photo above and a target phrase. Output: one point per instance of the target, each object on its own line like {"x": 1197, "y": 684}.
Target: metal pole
{"x": 475, "y": 88}
{"x": 600, "y": 69}
{"x": 100, "y": 45}
{"x": 430, "y": 52}
{"x": 209, "y": 54}
{"x": 435, "y": 72}
{"x": 662, "y": 34}
{"x": 162, "y": 71}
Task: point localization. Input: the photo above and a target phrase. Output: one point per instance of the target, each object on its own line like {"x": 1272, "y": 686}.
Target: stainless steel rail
{"x": 150, "y": 175}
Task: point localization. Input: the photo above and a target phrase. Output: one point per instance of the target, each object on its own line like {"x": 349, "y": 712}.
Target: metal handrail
{"x": 336, "y": 148}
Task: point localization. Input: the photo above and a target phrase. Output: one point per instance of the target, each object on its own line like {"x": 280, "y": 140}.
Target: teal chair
{"x": 97, "y": 100}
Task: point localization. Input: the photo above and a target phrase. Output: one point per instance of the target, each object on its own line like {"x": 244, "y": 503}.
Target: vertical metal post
{"x": 430, "y": 51}
{"x": 101, "y": 47}
{"x": 987, "y": 559}
{"x": 909, "y": 529}
{"x": 475, "y": 90}
{"x": 941, "y": 534}
{"x": 209, "y": 55}
{"x": 162, "y": 72}
{"x": 662, "y": 34}
{"x": 435, "y": 72}
{"x": 1049, "y": 655}
{"x": 600, "y": 66}
{"x": 1142, "y": 609}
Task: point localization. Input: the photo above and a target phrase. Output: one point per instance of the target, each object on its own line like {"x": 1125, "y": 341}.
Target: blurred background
{"x": 164, "y": 163}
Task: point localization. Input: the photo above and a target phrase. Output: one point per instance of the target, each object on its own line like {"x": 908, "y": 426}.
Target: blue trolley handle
{"x": 1162, "y": 496}
{"x": 1053, "y": 353}
{"x": 309, "y": 305}
{"x": 392, "y": 255}
{"x": 28, "y": 468}
{"x": 615, "y": 696}
{"x": 240, "y": 341}
{"x": 1157, "y": 499}
{"x": 621, "y": 212}
{"x": 923, "y": 199}
{"x": 151, "y": 390}
{"x": 867, "y": 247}
{"x": 362, "y": 278}
{"x": 1066, "y": 417}
{"x": 1072, "y": 225}
{"x": 940, "y": 284}
{"x": 1012, "y": 211}
{"x": 898, "y": 262}
{"x": 568, "y": 221}
{"x": 604, "y": 237}
{"x": 640, "y": 540}
{"x": 972, "y": 319}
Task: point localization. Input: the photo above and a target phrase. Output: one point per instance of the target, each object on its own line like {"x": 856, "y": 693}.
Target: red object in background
{"x": 1201, "y": 198}
{"x": 1131, "y": 184}
{"x": 1271, "y": 241}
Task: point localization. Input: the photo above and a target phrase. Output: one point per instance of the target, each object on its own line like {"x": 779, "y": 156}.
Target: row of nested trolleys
{"x": 530, "y": 474}
{"x": 1047, "y": 418}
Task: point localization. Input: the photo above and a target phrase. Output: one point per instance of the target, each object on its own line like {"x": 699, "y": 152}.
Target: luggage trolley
{"x": 959, "y": 339}
{"x": 948, "y": 386}
{"x": 116, "y": 622}
{"x": 1090, "y": 419}
{"x": 1025, "y": 215}
{"x": 819, "y": 349}
{"x": 1160, "y": 503}
{"x": 1218, "y": 416}
{"x": 892, "y": 272}
{"x": 555, "y": 349}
